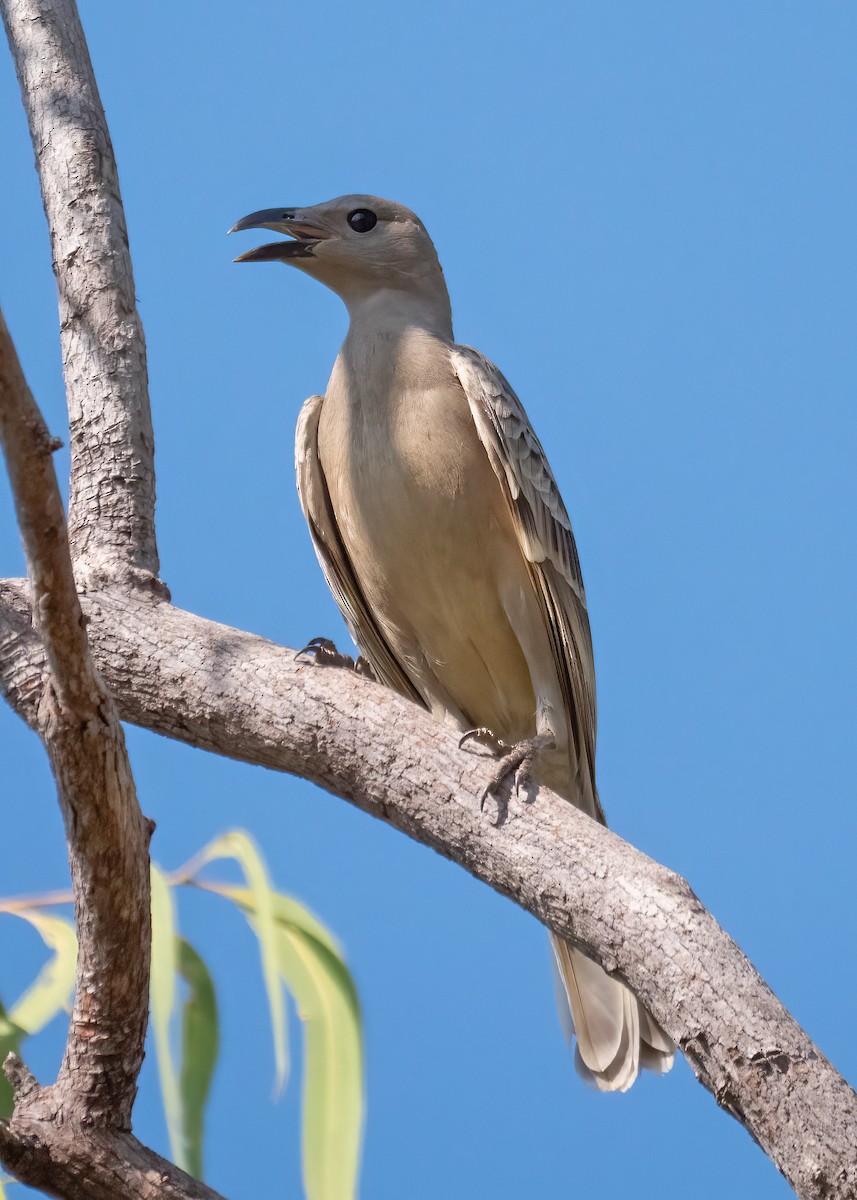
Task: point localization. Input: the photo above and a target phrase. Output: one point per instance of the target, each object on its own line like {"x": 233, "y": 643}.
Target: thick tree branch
{"x": 28, "y": 449}
{"x": 104, "y": 1164}
{"x": 241, "y": 696}
{"x": 112, "y": 508}
{"x": 80, "y": 1116}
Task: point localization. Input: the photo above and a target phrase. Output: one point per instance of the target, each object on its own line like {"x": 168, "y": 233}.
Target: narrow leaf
{"x": 314, "y": 971}
{"x": 11, "y": 1036}
{"x": 163, "y": 998}
{"x": 199, "y": 1052}
{"x": 51, "y": 991}
{"x": 47, "y": 996}
{"x": 286, "y": 910}
{"x": 239, "y": 846}
{"x": 333, "y": 1068}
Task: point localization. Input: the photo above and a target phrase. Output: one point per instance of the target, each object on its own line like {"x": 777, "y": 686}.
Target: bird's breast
{"x": 401, "y": 455}
{"x": 427, "y": 529}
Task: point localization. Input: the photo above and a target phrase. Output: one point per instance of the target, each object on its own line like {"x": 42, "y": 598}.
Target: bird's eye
{"x": 362, "y": 220}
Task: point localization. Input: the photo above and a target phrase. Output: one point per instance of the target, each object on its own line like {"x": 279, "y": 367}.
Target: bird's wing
{"x": 545, "y": 537}
{"x": 333, "y": 557}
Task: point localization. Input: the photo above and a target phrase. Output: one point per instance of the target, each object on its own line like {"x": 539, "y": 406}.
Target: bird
{"x": 441, "y": 532}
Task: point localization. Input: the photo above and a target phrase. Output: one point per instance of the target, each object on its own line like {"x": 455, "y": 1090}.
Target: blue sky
{"x": 645, "y": 212}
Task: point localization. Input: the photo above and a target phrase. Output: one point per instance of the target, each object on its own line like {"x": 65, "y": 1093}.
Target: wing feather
{"x": 546, "y": 541}
{"x": 333, "y": 557}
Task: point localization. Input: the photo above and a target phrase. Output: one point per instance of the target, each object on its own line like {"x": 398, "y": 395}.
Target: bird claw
{"x": 363, "y": 667}
{"x": 485, "y": 736}
{"x": 516, "y": 765}
{"x": 322, "y": 651}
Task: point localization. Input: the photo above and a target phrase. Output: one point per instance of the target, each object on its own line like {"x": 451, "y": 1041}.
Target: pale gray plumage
{"x": 444, "y": 539}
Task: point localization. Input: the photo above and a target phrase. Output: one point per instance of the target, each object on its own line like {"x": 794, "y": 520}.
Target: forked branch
{"x": 66, "y": 1137}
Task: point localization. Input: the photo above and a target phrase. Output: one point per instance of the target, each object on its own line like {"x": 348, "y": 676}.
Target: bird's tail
{"x": 616, "y": 1035}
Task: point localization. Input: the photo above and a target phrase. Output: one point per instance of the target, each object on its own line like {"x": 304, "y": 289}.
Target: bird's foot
{"x": 485, "y": 737}
{"x": 516, "y": 762}
{"x": 321, "y": 651}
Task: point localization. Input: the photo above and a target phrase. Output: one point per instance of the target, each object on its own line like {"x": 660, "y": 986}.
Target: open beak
{"x": 306, "y": 234}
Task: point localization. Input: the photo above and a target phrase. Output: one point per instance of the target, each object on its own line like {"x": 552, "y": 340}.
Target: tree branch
{"x": 103, "y": 1164}
{"x": 241, "y": 696}
{"x": 112, "y": 507}
{"x": 83, "y": 1116}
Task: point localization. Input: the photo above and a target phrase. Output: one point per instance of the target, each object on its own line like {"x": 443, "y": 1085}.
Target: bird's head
{"x": 355, "y": 245}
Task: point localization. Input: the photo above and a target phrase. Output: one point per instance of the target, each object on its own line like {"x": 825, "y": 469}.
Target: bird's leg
{"x": 516, "y": 761}
{"x": 517, "y": 764}
{"x": 321, "y": 651}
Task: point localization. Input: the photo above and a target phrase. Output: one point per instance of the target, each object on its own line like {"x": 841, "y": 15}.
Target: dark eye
{"x": 362, "y": 220}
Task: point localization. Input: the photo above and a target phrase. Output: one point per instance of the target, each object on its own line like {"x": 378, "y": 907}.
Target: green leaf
{"x": 239, "y": 846}
{"x": 11, "y": 1036}
{"x": 162, "y": 992}
{"x": 47, "y": 996}
{"x": 51, "y": 991}
{"x": 199, "y": 1052}
{"x": 333, "y": 1069}
{"x": 313, "y": 969}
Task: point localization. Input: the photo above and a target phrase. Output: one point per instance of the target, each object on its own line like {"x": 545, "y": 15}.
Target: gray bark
{"x": 93, "y": 1162}
{"x": 73, "y": 1139}
{"x": 112, "y": 504}
{"x": 108, "y": 839}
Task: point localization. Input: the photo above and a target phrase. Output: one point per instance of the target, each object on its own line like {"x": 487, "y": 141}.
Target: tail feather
{"x": 597, "y": 1006}
{"x": 616, "y": 1035}
{"x": 657, "y": 1050}
{"x": 623, "y": 1070}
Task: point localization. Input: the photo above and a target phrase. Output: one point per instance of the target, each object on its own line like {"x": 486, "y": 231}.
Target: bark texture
{"x": 73, "y": 1139}
{"x": 107, "y": 836}
{"x": 244, "y": 697}
{"x": 112, "y": 504}
{"x": 98, "y": 1163}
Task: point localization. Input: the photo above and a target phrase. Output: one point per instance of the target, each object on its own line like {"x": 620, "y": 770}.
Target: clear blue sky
{"x": 646, "y": 215}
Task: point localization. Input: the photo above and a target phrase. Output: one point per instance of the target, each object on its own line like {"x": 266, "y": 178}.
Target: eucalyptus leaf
{"x": 51, "y": 991}
{"x": 200, "y": 1043}
{"x": 238, "y": 846}
{"x": 11, "y": 1036}
{"x": 162, "y": 991}
{"x": 333, "y": 1065}
{"x": 47, "y": 996}
{"x": 314, "y": 971}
